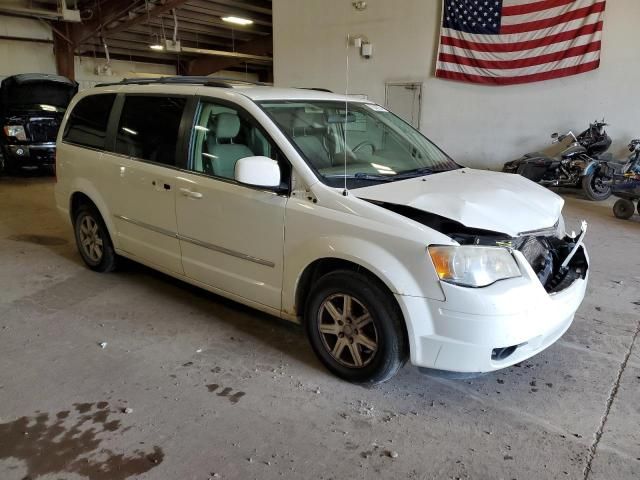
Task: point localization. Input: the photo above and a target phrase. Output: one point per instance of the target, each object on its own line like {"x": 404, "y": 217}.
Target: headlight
{"x": 16, "y": 131}
{"x": 473, "y": 266}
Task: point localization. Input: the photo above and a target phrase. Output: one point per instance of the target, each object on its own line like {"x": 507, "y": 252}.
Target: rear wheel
{"x": 624, "y": 209}
{"x": 93, "y": 240}
{"x": 355, "y": 328}
{"x": 595, "y": 187}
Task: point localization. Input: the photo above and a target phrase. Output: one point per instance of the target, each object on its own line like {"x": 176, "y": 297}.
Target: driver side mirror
{"x": 258, "y": 172}
{"x": 555, "y": 135}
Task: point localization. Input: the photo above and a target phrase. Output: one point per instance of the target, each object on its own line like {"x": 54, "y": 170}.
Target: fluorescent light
{"x": 237, "y": 20}
{"x": 128, "y": 130}
{"x": 48, "y": 108}
{"x": 156, "y": 46}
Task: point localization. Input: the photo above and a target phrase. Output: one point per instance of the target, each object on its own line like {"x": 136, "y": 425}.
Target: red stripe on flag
{"x": 528, "y": 45}
{"x": 552, "y": 22}
{"x": 523, "y": 62}
{"x": 534, "y": 7}
{"x": 536, "y": 77}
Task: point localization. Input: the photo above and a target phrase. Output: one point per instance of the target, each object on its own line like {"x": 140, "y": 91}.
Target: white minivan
{"x": 324, "y": 210}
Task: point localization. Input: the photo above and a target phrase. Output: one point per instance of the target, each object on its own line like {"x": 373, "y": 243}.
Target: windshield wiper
{"x": 416, "y": 172}
{"x": 365, "y": 176}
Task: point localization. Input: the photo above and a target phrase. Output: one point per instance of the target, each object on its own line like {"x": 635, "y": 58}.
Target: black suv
{"x": 31, "y": 109}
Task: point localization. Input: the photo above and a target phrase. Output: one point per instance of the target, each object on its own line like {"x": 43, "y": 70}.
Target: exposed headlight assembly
{"x": 16, "y": 131}
{"x": 473, "y": 266}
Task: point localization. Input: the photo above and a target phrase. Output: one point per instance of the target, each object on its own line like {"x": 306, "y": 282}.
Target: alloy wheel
{"x": 347, "y": 330}
{"x": 90, "y": 239}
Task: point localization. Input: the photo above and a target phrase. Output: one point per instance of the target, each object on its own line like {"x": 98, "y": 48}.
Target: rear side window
{"x": 148, "y": 128}
{"x": 87, "y": 124}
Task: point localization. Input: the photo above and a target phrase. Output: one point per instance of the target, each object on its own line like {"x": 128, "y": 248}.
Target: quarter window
{"x": 149, "y": 126}
{"x": 87, "y": 124}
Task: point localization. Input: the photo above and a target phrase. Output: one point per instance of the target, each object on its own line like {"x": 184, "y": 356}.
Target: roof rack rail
{"x": 220, "y": 82}
{"x": 317, "y": 89}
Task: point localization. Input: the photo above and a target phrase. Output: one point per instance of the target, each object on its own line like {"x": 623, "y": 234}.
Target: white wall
{"x": 23, "y": 57}
{"x": 478, "y": 125}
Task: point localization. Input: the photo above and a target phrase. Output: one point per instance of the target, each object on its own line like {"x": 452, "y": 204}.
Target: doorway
{"x": 404, "y": 99}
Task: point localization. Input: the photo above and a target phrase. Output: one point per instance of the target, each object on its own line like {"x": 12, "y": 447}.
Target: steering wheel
{"x": 366, "y": 143}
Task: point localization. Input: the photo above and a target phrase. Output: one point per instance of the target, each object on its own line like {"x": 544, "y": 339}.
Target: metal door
{"x": 404, "y": 99}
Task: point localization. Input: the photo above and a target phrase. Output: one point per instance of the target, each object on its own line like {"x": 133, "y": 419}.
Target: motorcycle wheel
{"x": 623, "y": 209}
{"x": 594, "y": 189}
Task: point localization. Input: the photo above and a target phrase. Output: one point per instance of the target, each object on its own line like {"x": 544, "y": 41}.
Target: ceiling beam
{"x": 186, "y": 26}
{"x": 184, "y": 36}
{"x": 216, "y": 10}
{"x": 213, "y": 20}
{"x": 210, "y": 64}
{"x": 119, "y": 16}
{"x": 128, "y": 57}
{"x": 235, "y": 5}
{"x": 189, "y": 41}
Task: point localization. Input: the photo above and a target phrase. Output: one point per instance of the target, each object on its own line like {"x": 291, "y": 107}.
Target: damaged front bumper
{"x": 486, "y": 329}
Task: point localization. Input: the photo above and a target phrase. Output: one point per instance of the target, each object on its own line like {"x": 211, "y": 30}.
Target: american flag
{"x": 505, "y": 42}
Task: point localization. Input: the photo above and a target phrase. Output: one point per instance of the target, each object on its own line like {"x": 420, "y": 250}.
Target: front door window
{"x": 223, "y": 135}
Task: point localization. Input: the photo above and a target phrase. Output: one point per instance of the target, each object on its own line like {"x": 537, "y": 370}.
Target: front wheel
{"x": 355, "y": 328}
{"x": 595, "y": 188}
{"x": 624, "y": 209}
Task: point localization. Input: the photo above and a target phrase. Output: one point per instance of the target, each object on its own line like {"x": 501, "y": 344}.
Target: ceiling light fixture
{"x": 156, "y": 46}
{"x": 237, "y": 20}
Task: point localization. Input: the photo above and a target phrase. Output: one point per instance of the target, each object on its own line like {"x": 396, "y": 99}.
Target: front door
{"x": 231, "y": 235}
{"x": 144, "y": 161}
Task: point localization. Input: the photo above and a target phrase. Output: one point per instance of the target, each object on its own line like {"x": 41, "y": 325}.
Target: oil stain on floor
{"x": 71, "y": 443}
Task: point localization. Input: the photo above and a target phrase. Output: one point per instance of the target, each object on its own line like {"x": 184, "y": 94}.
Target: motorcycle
{"x": 626, "y": 184}
{"x": 574, "y": 161}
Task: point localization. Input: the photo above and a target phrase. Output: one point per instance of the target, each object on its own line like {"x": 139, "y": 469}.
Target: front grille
{"x": 43, "y": 130}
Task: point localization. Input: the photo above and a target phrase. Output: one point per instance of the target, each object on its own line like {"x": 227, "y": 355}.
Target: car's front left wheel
{"x": 93, "y": 240}
{"x": 355, "y": 328}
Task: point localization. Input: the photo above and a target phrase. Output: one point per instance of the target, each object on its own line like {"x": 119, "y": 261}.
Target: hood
{"x": 34, "y": 89}
{"x": 478, "y": 199}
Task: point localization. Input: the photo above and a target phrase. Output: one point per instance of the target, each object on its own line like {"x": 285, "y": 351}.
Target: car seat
{"x": 224, "y": 152}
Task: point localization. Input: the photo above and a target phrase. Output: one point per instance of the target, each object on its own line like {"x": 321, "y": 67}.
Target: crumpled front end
{"x": 485, "y": 329}
{"x": 556, "y": 258}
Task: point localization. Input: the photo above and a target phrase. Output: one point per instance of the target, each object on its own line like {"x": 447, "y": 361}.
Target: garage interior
{"x": 138, "y": 375}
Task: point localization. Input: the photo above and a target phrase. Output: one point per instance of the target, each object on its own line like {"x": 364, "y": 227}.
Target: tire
{"x": 93, "y": 240}
{"x": 384, "y": 348}
{"x": 9, "y": 166}
{"x": 593, "y": 189}
{"x": 624, "y": 209}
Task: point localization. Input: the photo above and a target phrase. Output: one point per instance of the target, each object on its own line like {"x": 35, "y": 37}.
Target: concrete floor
{"x": 216, "y": 390}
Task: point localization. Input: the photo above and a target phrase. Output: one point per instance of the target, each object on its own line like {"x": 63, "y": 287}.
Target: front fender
{"x": 591, "y": 168}
{"x": 384, "y": 264}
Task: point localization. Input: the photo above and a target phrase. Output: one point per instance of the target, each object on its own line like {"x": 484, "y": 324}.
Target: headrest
{"x": 227, "y": 126}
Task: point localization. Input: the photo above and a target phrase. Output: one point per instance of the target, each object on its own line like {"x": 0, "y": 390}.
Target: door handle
{"x": 189, "y": 193}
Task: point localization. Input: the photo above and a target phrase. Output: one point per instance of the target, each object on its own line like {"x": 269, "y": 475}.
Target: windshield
{"x": 558, "y": 147}
{"x": 380, "y": 147}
